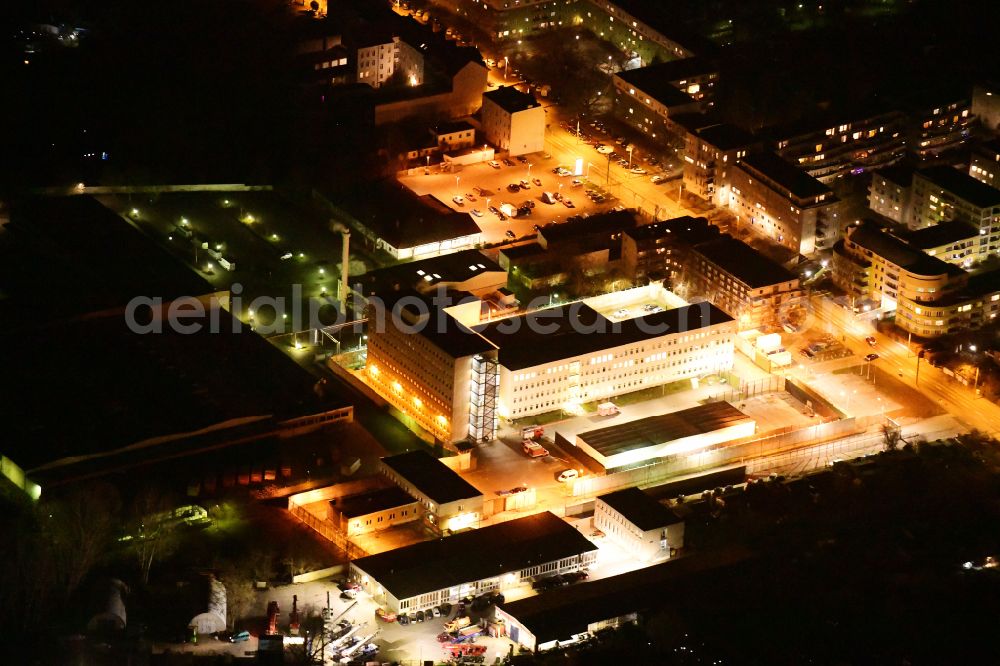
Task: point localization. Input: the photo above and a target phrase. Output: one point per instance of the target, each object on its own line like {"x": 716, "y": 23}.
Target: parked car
{"x": 476, "y": 212}
{"x": 509, "y": 234}
{"x": 436, "y": 611}
{"x": 403, "y": 619}
{"x": 349, "y": 594}
{"x": 446, "y": 609}
{"x": 494, "y": 164}
{"x": 537, "y": 181}
{"x": 240, "y": 637}
{"x": 639, "y": 170}
{"x": 420, "y": 616}
{"x": 574, "y": 576}
{"x": 470, "y": 197}
{"x": 871, "y": 357}
{"x": 513, "y": 187}
{"x": 871, "y": 341}
{"x": 577, "y": 182}
{"x": 568, "y": 203}
{"x": 568, "y": 475}
{"x": 522, "y": 159}
{"x": 525, "y": 185}
{"x": 458, "y": 200}
{"x": 507, "y": 161}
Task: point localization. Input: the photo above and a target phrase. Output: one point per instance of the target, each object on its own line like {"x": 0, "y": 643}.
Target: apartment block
{"x": 710, "y": 151}
{"x": 956, "y": 242}
{"x": 513, "y": 121}
{"x": 659, "y": 251}
{"x": 646, "y": 101}
{"x": 638, "y": 523}
{"x": 984, "y": 165}
{"x": 872, "y": 264}
{"x": 741, "y": 281}
{"x": 890, "y": 192}
{"x": 838, "y": 144}
{"x": 772, "y": 198}
{"x": 943, "y": 194}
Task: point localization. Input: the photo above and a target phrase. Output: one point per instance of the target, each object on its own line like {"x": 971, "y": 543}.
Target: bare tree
{"x": 890, "y": 436}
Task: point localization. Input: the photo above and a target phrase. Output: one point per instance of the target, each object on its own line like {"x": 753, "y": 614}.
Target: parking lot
{"x": 482, "y": 186}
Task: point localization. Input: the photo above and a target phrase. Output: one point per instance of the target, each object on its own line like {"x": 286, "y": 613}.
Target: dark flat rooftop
{"x": 470, "y": 556}
{"x": 377, "y": 500}
{"x": 403, "y": 219}
{"x": 725, "y": 136}
{"x": 786, "y": 175}
{"x": 431, "y": 476}
{"x": 962, "y": 185}
{"x": 579, "y": 228}
{"x": 978, "y": 285}
{"x": 453, "y": 126}
{"x": 560, "y": 613}
{"x": 420, "y": 312}
{"x": 648, "y": 80}
{"x": 576, "y": 329}
{"x": 423, "y": 273}
{"x": 687, "y": 229}
{"x": 640, "y": 509}
{"x": 510, "y": 99}
{"x": 656, "y": 430}
{"x": 871, "y": 237}
{"x": 743, "y": 262}
{"x": 898, "y": 174}
{"x": 940, "y": 234}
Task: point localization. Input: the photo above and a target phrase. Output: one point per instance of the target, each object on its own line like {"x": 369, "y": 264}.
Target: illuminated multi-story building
{"x": 941, "y": 194}
{"x": 956, "y": 242}
{"x": 513, "y": 121}
{"x": 928, "y": 296}
{"x": 985, "y": 163}
{"x": 560, "y": 357}
{"x": 646, "y": 99}
{"x": 834, "y": 145}
{"x": 711, "y": 149}
{"x": 743, "y": 282}
{"x": 659, "y": 251}
{"x": 889, "y": 192}
{"x": 772, "y": 198}
{"x": 432, "y": 368}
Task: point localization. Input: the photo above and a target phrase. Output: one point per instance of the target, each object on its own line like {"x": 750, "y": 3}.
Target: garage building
{"x": 654, "y": 437}
{"x": 449, "y": 502}
{"x": 638, "y": 523}
{"x": 496, "y": 557}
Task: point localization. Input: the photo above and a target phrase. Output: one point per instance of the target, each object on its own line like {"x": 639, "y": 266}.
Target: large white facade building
{"x": 561, "y": 357}
{"x": 639, "y": 524}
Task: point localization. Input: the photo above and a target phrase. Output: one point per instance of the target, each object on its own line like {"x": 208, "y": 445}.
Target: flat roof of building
{"x": 962, "y": 185}
{"x": 576, "y": 329}
{"x": 686, "y": 229}
{"x": 475, "y": 555}
{"x": 402, "y": 219}
{"x": 578, "y": 228}
{"x": 940, "y": 234}
{"x": 426, "y": 318}
{"x": 991, "y": 148}
{"x": 977, "y": 286}
{"x": 453, "y": 126}
{"x": 455, "y": 267}
{"x": 872, "y": 237}
{"x": 431, "y": 477}
{"x": 656, "y": 430}
{"x": 725, "y": 136}
{"x": 560, "y": 613}
{"x": 785, "y": 174}
{"x": 640, "y": 509}
{"x": 897, "y": 174}
{"x": 649, "y": 81}
{"x": 522, "y": 250}
{"x": 372, "y": 502}
{"x": 510, "y": 99}
{"x": 744, "y": 262}
{"x": 660, "y": 17}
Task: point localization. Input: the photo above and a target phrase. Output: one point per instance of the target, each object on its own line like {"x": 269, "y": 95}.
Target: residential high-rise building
{"x": 513, "y": 121}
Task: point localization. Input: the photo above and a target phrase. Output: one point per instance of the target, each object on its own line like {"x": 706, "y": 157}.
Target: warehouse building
{"x": 448, "y": 501}
{"x": 573, "y": 614}
{"x": 639, "y": 524}
{"x": 496, "y": 557}
{"x": 655, "y": 437}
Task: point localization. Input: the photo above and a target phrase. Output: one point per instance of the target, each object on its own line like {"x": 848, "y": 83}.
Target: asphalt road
{"x": 895, "y": 357}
